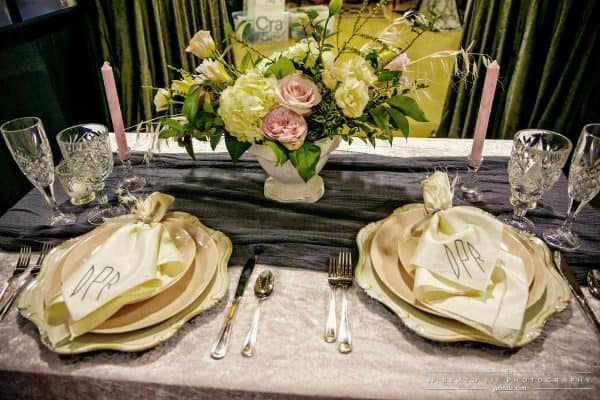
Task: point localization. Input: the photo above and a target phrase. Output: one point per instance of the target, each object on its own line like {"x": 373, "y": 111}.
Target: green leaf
{"x": 312, "y": 14}
{"x": 305, "y": 160}
{"x": 190, "y": 105}
{"x": 279, "y": 151}
{"x": 409, "y": 107}
{"x": 168, "y": 133}
{"x": 381, "y": 119}
{"x": 208, "y": 107}
{"x": 227, "y": 29}
{"x": 189, "y": 147}
{"x": 280, "y": 68}
{"x": 173, "y": 124}
{"x": 399, "y": 120}
{"x": 235, "y": 148}
{"x": 386, "y": 75}
{"x": 245, "y": 61}
{"x": 214, "y": 141}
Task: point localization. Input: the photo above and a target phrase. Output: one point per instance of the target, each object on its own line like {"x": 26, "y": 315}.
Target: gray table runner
{"x": 360, "y": 189}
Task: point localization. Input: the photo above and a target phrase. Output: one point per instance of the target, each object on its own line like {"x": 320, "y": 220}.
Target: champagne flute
{"x": 87, "y": 148}
{"x": 26, "y": 139}
{"x": 534, "y": 167}
{"x": 584, "y": 185}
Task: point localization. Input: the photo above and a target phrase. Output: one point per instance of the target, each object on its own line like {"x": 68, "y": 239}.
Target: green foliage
{"x": 235, "y": 148}
{"x": 280, "y": 68}
{"x": 305, "y": 160}
{"x": 281, "y": 153}
{"x": 408, "y": 106}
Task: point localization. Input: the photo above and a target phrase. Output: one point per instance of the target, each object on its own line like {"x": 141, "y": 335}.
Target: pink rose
{"x": 285, "y": 126}
{"x": 298, "y": 93}
{"x": 399, "y": 62}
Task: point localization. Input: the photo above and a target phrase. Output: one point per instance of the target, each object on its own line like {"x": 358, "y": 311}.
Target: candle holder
{"x": 129, "y": 180}
{"x": 469, "y": 191}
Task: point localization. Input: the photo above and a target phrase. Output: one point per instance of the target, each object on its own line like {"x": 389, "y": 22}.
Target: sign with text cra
{"x": 263, "y": 28}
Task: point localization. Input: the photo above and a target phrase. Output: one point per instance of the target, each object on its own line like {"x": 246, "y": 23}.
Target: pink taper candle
{"x": 115, "y": 110}
{"x": 485, "y": 108}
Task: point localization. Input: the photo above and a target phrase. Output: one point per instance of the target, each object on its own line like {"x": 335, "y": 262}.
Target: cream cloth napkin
{"x": 461, "y": 273}
{"x": 137, "y": 261}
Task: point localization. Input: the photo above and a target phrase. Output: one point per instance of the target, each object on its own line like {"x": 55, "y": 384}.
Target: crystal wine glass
{"x": 26, "y": 139}
{"x": 584, "y": 185}
{"x": 534, "y": 167}
{"x": 87, "y": 148}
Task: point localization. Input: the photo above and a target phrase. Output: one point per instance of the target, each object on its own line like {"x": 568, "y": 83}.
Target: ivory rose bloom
{"x": 213, "y": 71}
{"x": 201, "y": 45}
{"x": 351, "y": 66}
{"x": 298, "y": 93}
{"x": 437, "y": 191}
{"x": 161, "y": 100}
{"x": 398, "y": 63}
{"x": 352, "y": 97}
{"x": 243, "y": 105}
{"x": 285, "y": 126}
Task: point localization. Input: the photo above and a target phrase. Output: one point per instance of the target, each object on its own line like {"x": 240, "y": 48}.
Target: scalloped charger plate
{"x": 554, "y": 298}
{"x": 31, "y": 301}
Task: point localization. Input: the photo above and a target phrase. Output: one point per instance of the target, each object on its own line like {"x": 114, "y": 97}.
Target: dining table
{"x": 363, "y": 184}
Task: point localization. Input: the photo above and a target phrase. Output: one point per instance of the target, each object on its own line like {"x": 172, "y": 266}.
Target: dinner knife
{"x": 220, "y": 348}
{"x": 567, "y": 274}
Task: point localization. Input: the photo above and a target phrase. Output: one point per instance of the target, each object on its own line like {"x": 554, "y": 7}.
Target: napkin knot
{"x": 437, "y": 192}
{"x": 153, "y": 208}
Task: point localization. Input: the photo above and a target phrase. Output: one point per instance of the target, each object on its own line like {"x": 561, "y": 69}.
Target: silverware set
{"x": 262, "y": 290}
{"x": 23, "y": 272}
{"x": 339, "y": 275}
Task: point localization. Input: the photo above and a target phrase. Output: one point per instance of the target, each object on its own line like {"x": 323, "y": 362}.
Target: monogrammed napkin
{"x": 461, "y": 272}
{"x": 136, "y": 262}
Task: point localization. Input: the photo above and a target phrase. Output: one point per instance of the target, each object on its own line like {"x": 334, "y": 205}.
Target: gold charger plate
{"x": 393, "y": 246}
{"x": 31, "y": 302}
{"x": 554, "y": 299}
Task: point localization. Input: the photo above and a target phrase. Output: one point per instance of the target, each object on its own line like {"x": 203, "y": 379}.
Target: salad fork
{"x": 27, "y": 271}
{"x": 22, "y": 263}
{"x": 344, "y": 278}
{"x": 330, "y": 334}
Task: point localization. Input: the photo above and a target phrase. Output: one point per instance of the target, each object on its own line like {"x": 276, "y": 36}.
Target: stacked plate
{"x": 144, "y": 324}
{"x": 385, "y": 244}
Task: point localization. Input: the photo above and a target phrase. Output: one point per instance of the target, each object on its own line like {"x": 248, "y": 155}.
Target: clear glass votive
{"x": 79, "y": 187}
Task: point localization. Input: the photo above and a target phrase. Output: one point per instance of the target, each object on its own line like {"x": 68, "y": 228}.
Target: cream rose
{"x": 437, "y": 191}
{"x": 298, "y": 93}
{"x": 161, "y": 100}
{"x": 201, "y": 45}
{"x": 285, "y": 126}
{"x": 214, "y": 71}
{"x": 352, "y": 97}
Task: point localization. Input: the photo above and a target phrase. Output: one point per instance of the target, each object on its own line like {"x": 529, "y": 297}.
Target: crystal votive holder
{"x": 79, "y": 187}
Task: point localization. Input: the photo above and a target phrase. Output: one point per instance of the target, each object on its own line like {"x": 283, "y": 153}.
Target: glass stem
{"x": 48, "y": 193}
{"x": 574, "y": 208}
{"x": 520, "y": 210}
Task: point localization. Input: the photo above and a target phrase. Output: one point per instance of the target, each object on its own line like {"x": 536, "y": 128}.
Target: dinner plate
{"x": 31, "y": 302}
{"x": 553, "y": 300}
{"x": 393, "y": 246}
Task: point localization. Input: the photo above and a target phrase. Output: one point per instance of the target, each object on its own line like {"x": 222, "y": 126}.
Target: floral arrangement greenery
{"x": 318, "y": 88}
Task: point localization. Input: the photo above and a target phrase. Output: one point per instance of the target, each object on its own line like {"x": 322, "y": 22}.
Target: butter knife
{"x": 567, "y": 274}
{"x": 220, "y": 348}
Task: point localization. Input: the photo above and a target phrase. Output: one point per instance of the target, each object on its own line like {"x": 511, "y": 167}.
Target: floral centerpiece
{"x": 300, "y": 102}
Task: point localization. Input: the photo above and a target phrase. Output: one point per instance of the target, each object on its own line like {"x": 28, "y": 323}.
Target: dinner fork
{"x": 344, "y": 280}
{"x": 27, "y": 272}
{"x": 331, "y": 318}
{"x": 22, "y": 262}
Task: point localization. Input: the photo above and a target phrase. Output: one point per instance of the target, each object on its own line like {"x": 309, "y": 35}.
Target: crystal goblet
{"x": 584, "y": 185}
{"x": 535, "y": 163}
{"x": 87, "y": 148}
{"x": 26, "y": 139}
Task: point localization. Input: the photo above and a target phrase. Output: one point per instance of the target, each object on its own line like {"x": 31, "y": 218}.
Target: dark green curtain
{"x": 548, "y": 56}
{"x": 141, "y": 38}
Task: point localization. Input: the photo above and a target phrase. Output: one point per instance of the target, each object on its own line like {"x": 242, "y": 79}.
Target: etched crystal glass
{"x": 86, "y": 148}
{"x": 26, "y": 139}
{"x": 535, "y": 163}
{"x": 584, "y": 185}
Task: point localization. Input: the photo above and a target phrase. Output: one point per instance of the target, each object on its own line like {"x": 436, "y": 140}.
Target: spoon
{"x": 593, "y": 282}
{"x": 262, "y": 289}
